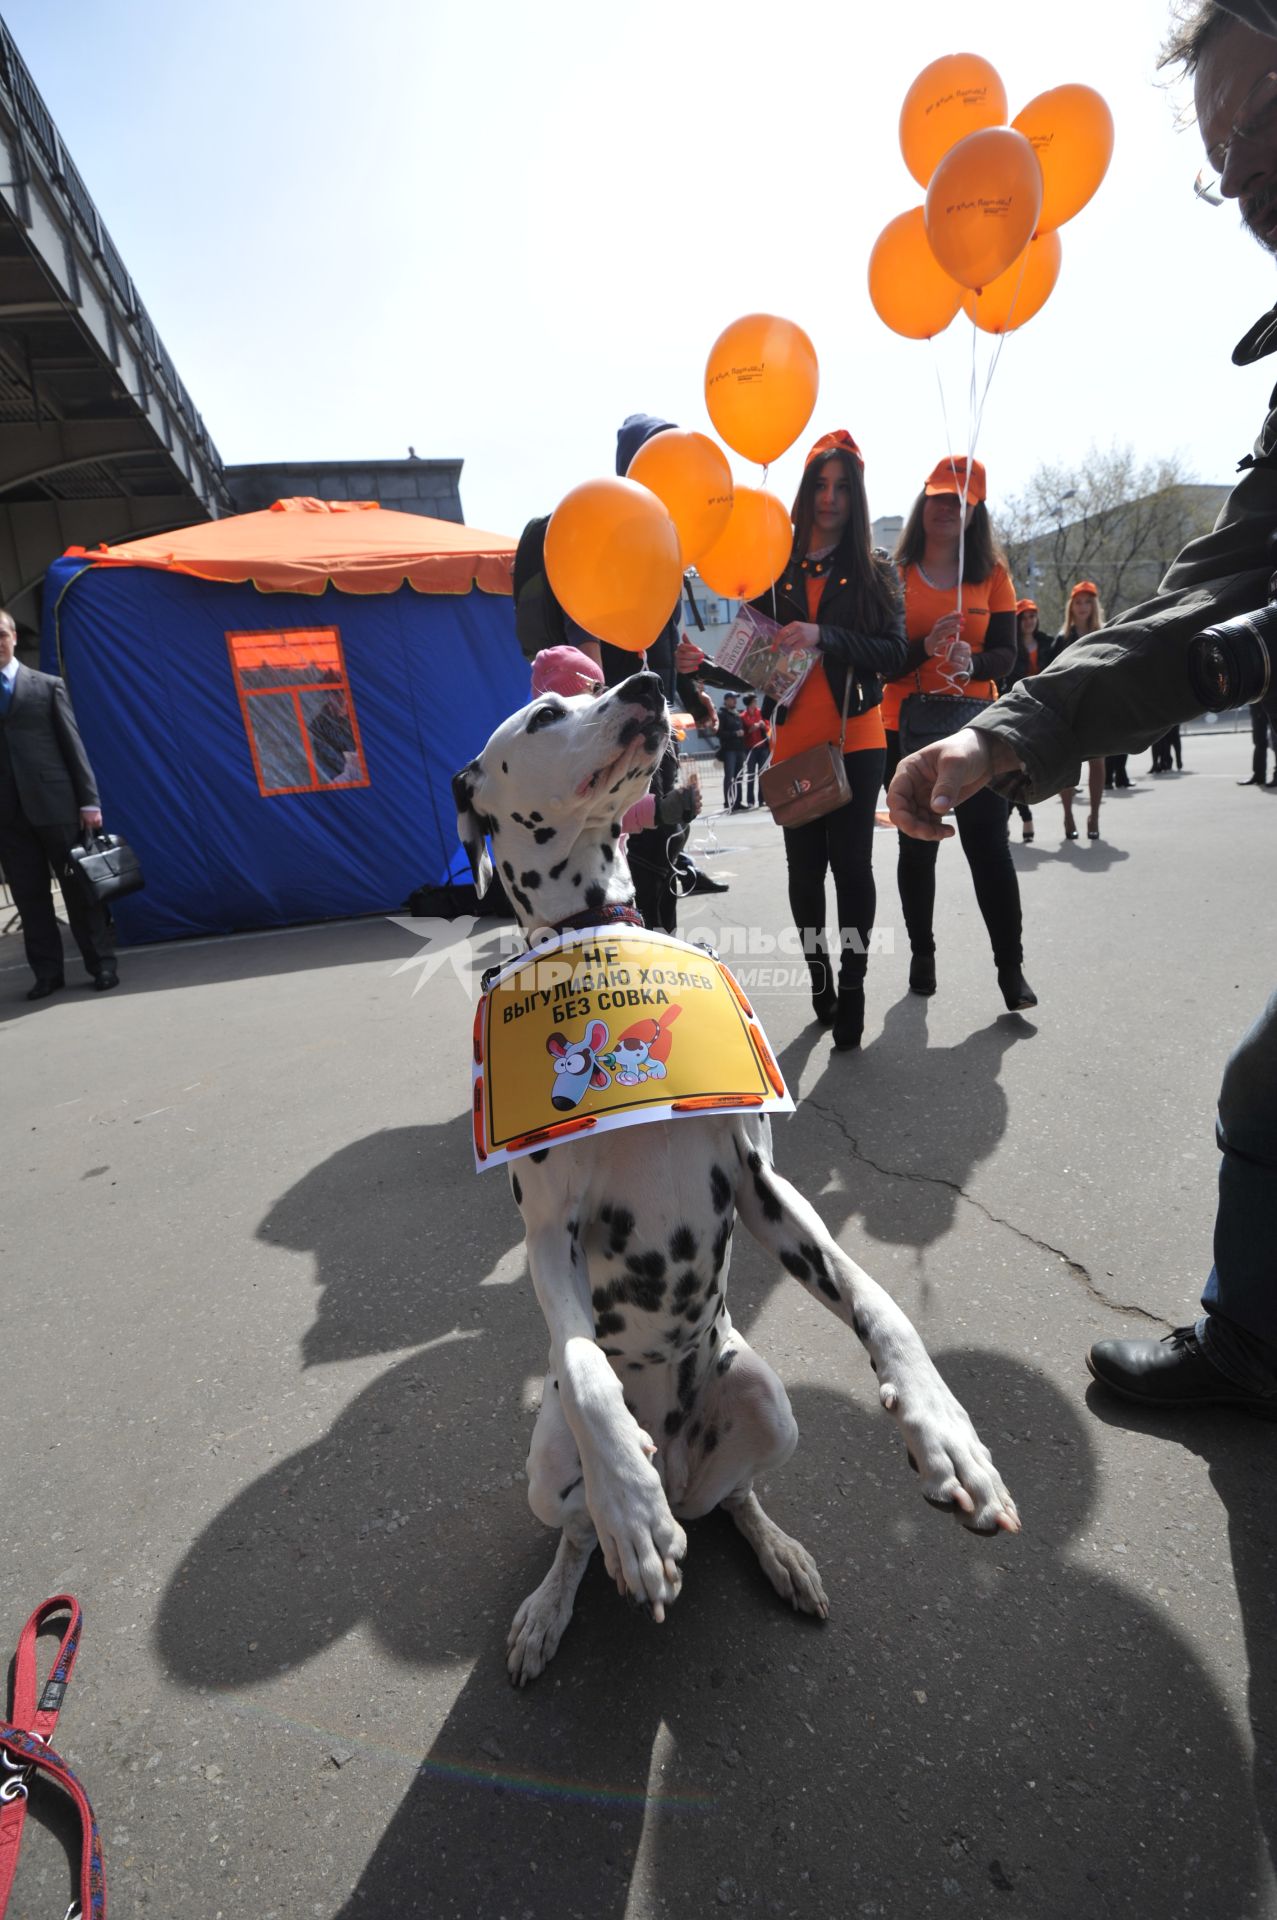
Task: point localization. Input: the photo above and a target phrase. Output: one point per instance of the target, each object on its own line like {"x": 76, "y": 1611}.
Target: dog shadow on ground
{"x": 976, "y": 1719}
{"x": 1240, "y": 1456}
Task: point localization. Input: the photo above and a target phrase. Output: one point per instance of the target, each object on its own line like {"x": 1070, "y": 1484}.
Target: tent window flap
{"x": 298, "y": 713}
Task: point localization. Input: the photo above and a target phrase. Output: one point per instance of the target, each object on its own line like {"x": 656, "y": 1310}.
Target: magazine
{"x": 750, "y": 652}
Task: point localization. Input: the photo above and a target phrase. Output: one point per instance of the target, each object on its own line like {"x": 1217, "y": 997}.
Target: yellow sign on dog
{"x": 610, "y": 1028}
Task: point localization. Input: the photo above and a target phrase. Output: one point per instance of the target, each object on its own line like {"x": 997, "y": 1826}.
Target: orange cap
{"x": 1084, "y": 586}
{"x": 950, "y": 476}
{"x": 1026, "y": 606}
{"x": 839, "y": 441}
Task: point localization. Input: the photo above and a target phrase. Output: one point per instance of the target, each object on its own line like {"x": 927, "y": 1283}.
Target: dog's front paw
{"x": 952, "y": 1461}
{"x": 643, "y": 1544}
{"x": 535, "y": 1632}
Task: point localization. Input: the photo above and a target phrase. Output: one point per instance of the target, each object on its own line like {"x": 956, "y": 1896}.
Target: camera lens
{"x": 1229, "y": 664}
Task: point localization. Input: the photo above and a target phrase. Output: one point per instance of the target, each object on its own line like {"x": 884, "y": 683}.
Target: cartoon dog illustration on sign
{"x": 642, "y": 1050}
{"x": 576, "y": 1066}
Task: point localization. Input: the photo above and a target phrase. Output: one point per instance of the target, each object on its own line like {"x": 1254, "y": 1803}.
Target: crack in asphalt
{"x": 1074, "y": 1267}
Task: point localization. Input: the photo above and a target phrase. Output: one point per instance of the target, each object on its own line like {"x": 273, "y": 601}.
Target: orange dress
{"x": 813, "y": 718}
{"x": 924, "y": 605}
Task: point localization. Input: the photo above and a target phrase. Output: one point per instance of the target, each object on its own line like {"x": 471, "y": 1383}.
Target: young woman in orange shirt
{"x": 943, "y": 643}
{"x": 1084, "y": 615}
{"x": 839, "y": 597}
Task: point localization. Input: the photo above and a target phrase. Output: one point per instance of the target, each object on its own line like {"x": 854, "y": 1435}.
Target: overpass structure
{"x": 99, "y": 438}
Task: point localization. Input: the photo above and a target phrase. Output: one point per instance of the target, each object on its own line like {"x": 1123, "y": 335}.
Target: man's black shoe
{"x": 105, "y": 979}
{"x": 43, "y": 988}
{"x": 701, "y": 883}
{"x": 1254, "y": 781}
{"x": 1172, "y": 1372}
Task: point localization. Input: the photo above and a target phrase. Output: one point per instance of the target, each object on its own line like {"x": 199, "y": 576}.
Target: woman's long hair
{"x": 980, "y": 554}
{"x": 1072, "y": 632}
{"x": 871, "y": 584}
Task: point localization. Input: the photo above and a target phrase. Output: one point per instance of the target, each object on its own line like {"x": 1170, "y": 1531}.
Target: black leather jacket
{"x": 870, "y": 658}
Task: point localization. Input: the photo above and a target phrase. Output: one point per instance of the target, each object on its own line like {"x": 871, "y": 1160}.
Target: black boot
{"x": 849, "y": 1018}
{"x": 922, "y": 972}
{"x": 823, "y": 998}
{"x": 1016, "y": 990}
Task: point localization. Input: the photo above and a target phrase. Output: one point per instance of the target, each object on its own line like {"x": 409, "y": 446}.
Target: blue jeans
{"x": 1240, "y": 1298}
{"x": 733, "y": 760}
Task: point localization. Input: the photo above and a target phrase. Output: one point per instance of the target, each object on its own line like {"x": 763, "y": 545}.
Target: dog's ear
{"x": 556, "y": 1045}
{"x": 471, "y": 826}
{"x": 597, "y": 1036}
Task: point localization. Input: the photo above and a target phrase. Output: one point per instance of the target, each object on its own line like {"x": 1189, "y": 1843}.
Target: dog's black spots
{"x": 535, "y": 816}
{"x": 634, "y": 1366}
{"x": 674, "y": 1421}
{"x": 606, "y": 852}
{"x": 712, "y": 1289}
{"x": 576, "y": 879}
{"x": 655, "y": 1359}
{"x": 687, "y": 1380}
{"x": 616, "y": 829}
{"x": 617, "y": 787}
{"x": 518, "y": 818}
{"x": 642, "y": 1291}
{"x": 531, "y": 879}
{"x": 516, "y": 1189}
{"x": 722, "y": 1241}
{"x": 694, "y": 1312}
{"x": 544, "y": 835}
{"x": 682, "y": 1244}
{"x": 571, "y": 1487}
{"x": 726, "y": 1358}
{"x": 605, "y": 1211}
{"x": 713, "y": 1336}
{"x": 630, "y": 731}
{"x": 711, "y": 1439}
{"x": 595, "y": 896}
{"x": 555, "y": 871}
{"x": 520, "y": 898}
{"x": 650, "y": 1265}
{"x": 685, "y": 1287}
{"x": 755, "y": 1162}
{"x": 504, "y": 767}
{"x": 555, "y": 1385}
{"x": 622, "y": 1227}
{"x": 601, "y": 1299}
{"x": 488, "y": 823}
{"x": 609, "y": 1323}
{"x": 613, "y": 1353}
{"x": 720, "y": 1188}
{"x": 540, "y": 1154}
{"x": 859, "y": 1325}
{"x": 795, "y": 1264}
{"x": 674, "y": 1335}
{"x": 507, "y": 870}
{"x": 694, "y": 1433}
{"x": 767, "y": 1200}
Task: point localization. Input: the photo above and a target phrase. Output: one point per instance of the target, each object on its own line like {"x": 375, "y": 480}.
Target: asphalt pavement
{"x": 267, "y": 1359}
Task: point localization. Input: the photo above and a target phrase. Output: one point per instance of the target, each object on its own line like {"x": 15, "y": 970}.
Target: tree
{"x": 1109, "y": 519}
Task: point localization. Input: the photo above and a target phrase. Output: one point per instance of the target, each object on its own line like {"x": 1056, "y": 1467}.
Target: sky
{"x": 490, "y": 232}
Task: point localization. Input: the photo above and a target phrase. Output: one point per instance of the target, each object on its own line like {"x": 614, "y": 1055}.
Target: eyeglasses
{"x": 1256, "y": 121}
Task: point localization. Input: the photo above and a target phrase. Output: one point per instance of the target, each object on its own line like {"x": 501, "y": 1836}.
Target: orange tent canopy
{"x": 303, "y": 546}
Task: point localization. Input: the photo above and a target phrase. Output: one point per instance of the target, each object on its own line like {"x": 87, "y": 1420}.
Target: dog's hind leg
{"x": 556, "y": 1494}
{"x": 745, "y": 1425}
{"x": 944, "y": 1449}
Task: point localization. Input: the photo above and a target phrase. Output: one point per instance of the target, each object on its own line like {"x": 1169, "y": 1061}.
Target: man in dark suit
{"x": 47, "y": 797}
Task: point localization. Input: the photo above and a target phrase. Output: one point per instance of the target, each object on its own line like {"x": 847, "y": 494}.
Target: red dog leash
{"x": 25, "y": 1749}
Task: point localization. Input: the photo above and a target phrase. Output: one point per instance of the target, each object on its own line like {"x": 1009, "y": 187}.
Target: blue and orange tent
{"x": 274, "y": 705}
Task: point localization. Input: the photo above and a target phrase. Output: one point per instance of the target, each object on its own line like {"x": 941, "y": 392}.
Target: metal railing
{"x": 37, "y": 124}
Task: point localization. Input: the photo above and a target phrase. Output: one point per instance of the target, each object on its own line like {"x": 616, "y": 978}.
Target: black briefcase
{"x": 107, "y": 865}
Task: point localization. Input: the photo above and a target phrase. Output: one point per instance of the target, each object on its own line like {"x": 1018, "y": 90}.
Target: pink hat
{"x": 565, "y": 670}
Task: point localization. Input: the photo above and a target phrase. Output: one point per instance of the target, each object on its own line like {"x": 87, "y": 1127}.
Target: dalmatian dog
{"x": 654, "y": 1409}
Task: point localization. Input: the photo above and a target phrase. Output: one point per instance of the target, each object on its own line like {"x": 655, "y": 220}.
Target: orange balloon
{"x": 956, "y": 95}
{"x": 1023, "y": 290}
{"x": 752, "y": 549}
{"x": 690, "y": 475}
{"x": 760, "y": 385}
{"x": 983, "y": 204}
{"x": 911, "y": 292}
{"x": 612, "y": 557}
{"x": 1071, "y": 131}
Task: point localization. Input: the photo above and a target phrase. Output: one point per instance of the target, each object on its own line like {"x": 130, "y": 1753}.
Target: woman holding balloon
{"x": 840, "y": 599}
{"x": 960, "y": 621}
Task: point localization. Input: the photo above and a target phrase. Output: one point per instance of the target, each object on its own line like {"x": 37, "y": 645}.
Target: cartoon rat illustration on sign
{"x": 576, "y": 1067}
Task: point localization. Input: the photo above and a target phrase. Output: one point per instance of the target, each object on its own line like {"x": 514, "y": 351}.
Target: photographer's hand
{"x": 939, "y": 778}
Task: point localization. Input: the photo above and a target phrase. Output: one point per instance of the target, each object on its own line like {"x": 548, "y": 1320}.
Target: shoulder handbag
{"x": 928, "y": 717}
{"x": 107, "y": 865}
{"x": 812, "y": 783}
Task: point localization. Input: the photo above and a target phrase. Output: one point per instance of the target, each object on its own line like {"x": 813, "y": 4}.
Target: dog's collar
{"x": 598, "y": 917}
